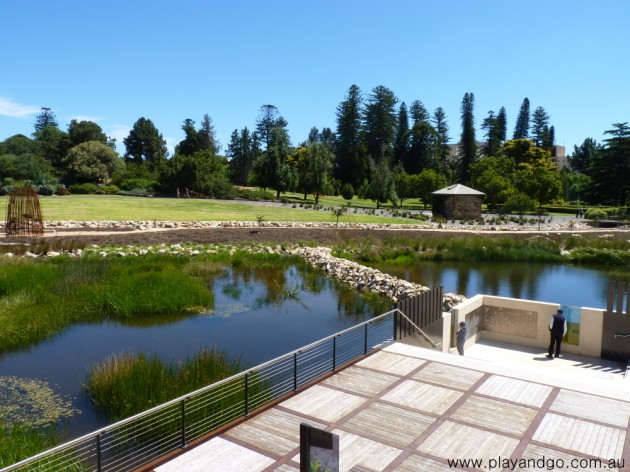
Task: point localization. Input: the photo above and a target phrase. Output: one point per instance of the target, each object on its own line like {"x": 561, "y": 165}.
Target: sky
{"x": 116, "y": 61}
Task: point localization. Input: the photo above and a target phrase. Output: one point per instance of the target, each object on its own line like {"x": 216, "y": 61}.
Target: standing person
{"x": 461, "y": 337}
{"x": 557, "y": 329}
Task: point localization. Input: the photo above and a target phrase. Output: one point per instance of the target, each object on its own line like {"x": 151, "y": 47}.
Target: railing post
{"x": 295, "y": 371}
{"x": 365, "y": 339}
{"x": 395, "y": 325}
{"x": 334, "y": 353}
{"x": 183, "y": 410}
{"x": 98, "y": 452}
{"x": 246, "y": 393}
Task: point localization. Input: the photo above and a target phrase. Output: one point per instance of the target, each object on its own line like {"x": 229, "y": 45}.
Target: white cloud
{"x": 16, "y": 110}
{"x": 80, "y": 118}
{"x": 119, "y": 132}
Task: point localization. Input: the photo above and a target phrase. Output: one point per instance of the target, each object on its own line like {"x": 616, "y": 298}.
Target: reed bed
{"x": 125, "y": 384}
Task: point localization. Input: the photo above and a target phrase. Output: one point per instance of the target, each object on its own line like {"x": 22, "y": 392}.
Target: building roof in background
{"x": 457, "y": 189}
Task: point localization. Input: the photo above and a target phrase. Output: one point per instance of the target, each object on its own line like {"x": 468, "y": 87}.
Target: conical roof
{"x": 457, "y": 189}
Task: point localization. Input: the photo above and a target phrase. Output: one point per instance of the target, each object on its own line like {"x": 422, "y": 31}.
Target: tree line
{"x": 380, "y": 149}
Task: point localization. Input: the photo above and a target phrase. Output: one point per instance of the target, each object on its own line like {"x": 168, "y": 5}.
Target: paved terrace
{"x": 409, "y": 409}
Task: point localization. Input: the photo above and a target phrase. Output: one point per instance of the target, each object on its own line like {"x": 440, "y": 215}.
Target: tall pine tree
{"x": 540, "y": 126}
{"x": 467, "y": 143}
{"x": 521, "y": 129}
{"x": 350, "y": 167}
{"x": 379, "y": 124}
{"x": 402, "y": 135}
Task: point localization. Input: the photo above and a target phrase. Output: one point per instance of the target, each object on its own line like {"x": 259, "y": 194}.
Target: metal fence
{"x": 140, "y": 439}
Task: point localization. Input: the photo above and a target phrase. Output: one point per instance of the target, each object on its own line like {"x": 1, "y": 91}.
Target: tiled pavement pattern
{"x": 408, "y": 409}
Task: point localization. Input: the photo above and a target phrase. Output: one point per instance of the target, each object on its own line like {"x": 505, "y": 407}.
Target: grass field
{"x": 120, "y": 208}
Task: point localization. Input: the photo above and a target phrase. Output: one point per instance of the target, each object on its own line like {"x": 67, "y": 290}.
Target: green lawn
{"x": 117, "y": 208}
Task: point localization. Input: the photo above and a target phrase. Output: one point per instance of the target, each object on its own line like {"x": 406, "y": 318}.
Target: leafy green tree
{"x": 382, "y": 187}
{"x": 401, "y": 145}
{"x": 406, "y": 186}
{"x": 574, "y": 186}
{"x": 187, "y": 146}
{"x": 203, "y": 173}
{"x": 521, "y": 129}
{"x": 380, "y": 123}
{"x": 427, "y": 182}
{"x": 519, "y": 203}
{"x": 53, "y": 145}
{"x": 540, "y": 180}
{"x": 19, "y": 145}
{"x": 243, "y": 150}
{"x": 523, "y": 151}
{"x": 610, "y": 172}
{"x": 584, "y": 155}
{"x": 494, "y": 176}
{"x": 85, "y": 131}
{"x": 271, "y": 169}
{"x": 27, "y": 167}
{"x": 540, "y": 127}
{"x": 316, "y": 176}
{"x": 145, "y": 144}
{"x": 467, "y": 143}
{"x": 91, "y": 162}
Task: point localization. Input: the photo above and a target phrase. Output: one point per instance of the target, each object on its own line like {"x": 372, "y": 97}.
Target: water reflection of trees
{"x": 288, "y": 283}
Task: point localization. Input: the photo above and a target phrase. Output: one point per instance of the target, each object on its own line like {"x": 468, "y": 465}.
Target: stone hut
{"x": 457, "y": 202}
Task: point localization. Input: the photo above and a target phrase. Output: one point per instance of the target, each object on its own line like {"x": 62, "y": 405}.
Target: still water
{"x": 259, "y": 314}
{"x": 563, "y": 284}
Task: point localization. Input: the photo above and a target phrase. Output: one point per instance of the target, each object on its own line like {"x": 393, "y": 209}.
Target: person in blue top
{"x": 557, "y": 330}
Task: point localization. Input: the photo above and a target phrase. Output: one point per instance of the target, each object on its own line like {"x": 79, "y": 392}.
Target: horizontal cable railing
{"x": 142, "y": 438}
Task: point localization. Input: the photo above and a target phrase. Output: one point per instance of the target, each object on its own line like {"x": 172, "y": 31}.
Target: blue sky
{"x": 116, "y": 61}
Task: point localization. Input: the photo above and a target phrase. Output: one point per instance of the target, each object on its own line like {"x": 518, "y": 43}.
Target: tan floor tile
{"x": 421, "y": 396}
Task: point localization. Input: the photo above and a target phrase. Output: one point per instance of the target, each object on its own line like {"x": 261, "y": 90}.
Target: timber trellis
{"x": 24, "y": 214}
{"x": 423, "y": 310}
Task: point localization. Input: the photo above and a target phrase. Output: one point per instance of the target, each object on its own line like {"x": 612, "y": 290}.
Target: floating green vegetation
{"x": 31, "y": 403}
{"x": 226, "y": 311}
{"x": 129, "y": 383}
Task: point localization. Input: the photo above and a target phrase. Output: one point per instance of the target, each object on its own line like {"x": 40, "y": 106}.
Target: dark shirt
{"x": 558, "y": 325}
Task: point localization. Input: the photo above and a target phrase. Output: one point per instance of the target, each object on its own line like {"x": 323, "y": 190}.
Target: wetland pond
{"x": 263, "y": 313}
{"x": 259, "y": 314}
{"x": 564, "y": 284}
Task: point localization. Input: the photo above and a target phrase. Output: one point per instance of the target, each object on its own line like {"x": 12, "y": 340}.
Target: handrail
{"x": 424, "y": 335}
{"x": 619, "y": 335}
{"x": 96, "y": 435}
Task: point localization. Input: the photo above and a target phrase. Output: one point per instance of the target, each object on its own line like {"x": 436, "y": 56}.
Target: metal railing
{"x": 140, "y": 439}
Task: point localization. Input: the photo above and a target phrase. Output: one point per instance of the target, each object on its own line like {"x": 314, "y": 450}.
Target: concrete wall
{"x": 523, "y": 322}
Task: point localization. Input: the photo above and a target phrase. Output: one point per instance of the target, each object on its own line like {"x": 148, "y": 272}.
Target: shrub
{"x": 596, "y": 214}
{"x": 45, "y": 190}
{"x": 83, "y": 189}
{"x": 519, "y": 203}
{"x": 62, "y": 191}
{"x": 139, "y": 183}
{"x": 347, "y": 191}
{"x": 108, "y": 189}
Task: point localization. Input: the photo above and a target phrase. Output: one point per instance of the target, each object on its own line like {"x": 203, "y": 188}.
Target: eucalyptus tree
{"x": 86, "y": 131}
